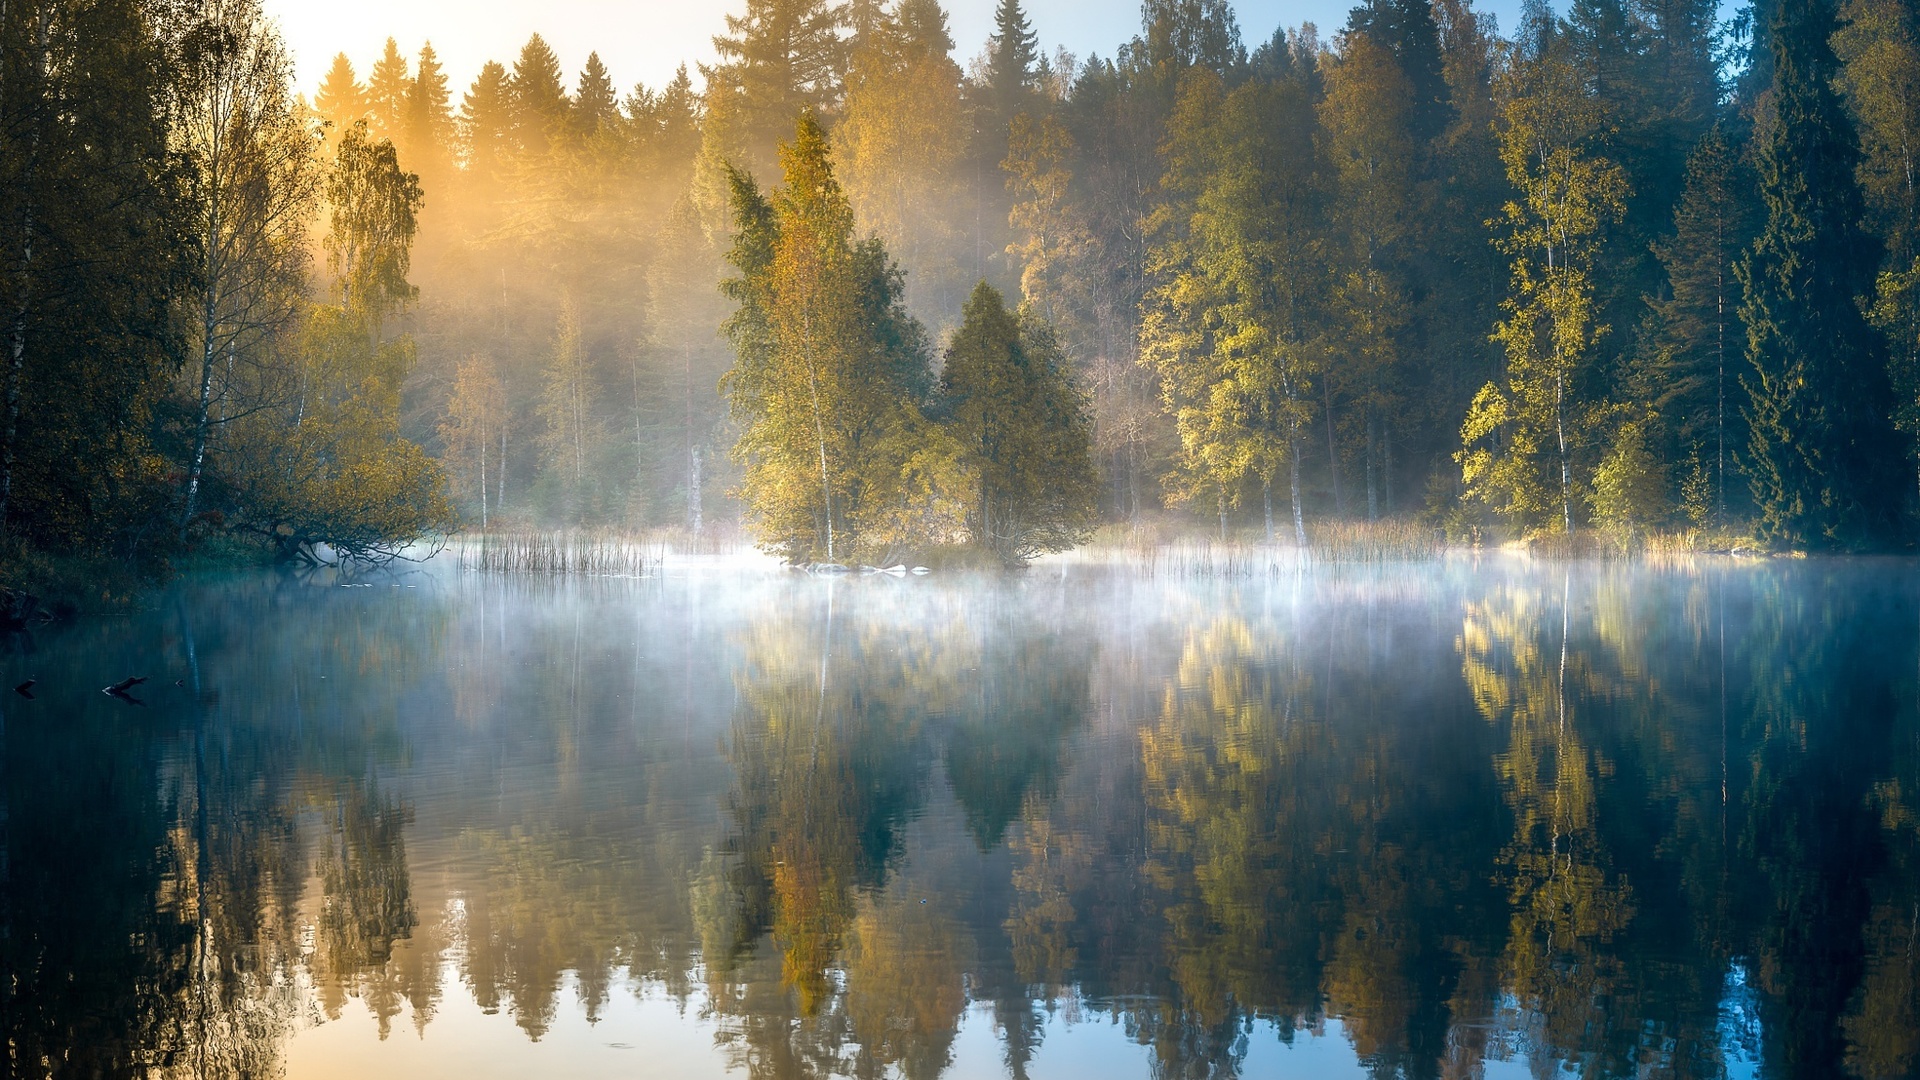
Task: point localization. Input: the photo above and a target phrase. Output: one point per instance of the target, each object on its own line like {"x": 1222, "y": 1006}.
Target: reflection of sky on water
{"x": 1471, "y": 819}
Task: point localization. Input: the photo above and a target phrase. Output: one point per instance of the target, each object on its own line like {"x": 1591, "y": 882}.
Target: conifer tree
{"x": 1025, "y": 433}
{"x": 839, "y": 462}
{"x": 341, "y": 101}
{"x": 486, "y": 121}
{"x": 1406, "y": 29}
{"x": 778, "y": 60}
{"x": 1697, "y": 341}
{"x": 1012, "y": 52}
{"x": 595, "y": 104}
{"x": 1819, "y": 438}
{"x": 388, "y": 87}
{"x": 429, "y": 117}
{"x": 538, "y": 96}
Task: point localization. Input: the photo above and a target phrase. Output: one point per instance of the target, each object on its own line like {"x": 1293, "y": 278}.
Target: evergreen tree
{"x": 1406, "y": 29}
{"x": 1026, "y": 435}
{"x": 838, "y": 462}
{"x": 1368, "y": 116}
{"x": 1819, "y": 440}
{"x": 388, "y": 87}
{"x": 595, "y": 104}
{"x": 1012, "y": 53}
{"x": 486, "y": 121}
{"x": 341, "y": 101}
{"x": 429, "y": 128}
{"x": 539, "y": 98}
{"x": 778, "y": 61}
{"x": 1691, "y": 369}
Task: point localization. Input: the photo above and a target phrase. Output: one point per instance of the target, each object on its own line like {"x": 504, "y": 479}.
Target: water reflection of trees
{"x": 1560, "y": 817}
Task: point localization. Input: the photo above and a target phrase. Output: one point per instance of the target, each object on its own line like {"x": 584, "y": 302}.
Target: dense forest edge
{"x": 1630, "y": 276}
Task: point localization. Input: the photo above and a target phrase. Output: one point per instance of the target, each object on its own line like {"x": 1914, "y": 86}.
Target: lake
{"x": 1472, "y": 818}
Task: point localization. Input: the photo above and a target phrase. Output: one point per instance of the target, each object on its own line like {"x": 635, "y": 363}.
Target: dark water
{"x": 1469, "y": 820}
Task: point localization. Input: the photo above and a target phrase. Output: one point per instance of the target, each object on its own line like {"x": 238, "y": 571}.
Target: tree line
{"x": 1627, "y": 268}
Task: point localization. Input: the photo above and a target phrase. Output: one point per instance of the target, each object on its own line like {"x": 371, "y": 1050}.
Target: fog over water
{"x": 1469, "y": 818}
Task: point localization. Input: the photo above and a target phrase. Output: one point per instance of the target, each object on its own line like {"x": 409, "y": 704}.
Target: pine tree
{"x": 1819, "y": 440}
{"x": 1368, "y": 116}
{"x": 429, "y": 125}
{"x": 596, "y": 105}
{"x": 838, "y": 462}
{"x": 778, "y": 61}
{"x": 539, "y": 99}
{"x": 1406, "y": 29}
{"x": 1012, "y": 52}
{"x": 1879, "y": 44}
{"x": 900, "y": 144}
{"x": 486, "y": 121}
{"x": 1024, "y": 430}
{"x": 341, "y": 101}
{"x": 1692, "y": 369}
{"x": 388, "y": 87}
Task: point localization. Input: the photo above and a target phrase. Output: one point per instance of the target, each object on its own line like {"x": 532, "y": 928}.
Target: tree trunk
{"x": 1373, "y": 483}
{"x": 1266, "y": 499}
{"x": 1333, "y": 453}
{"x": 1299, "y": 523}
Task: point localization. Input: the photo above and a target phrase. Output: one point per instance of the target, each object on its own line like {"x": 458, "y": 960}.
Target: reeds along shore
{"x": 604, "y": 554}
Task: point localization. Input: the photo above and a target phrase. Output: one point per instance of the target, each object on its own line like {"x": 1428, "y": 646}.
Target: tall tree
{"x": 566, "y": 412}
{"x": 1525, "y": 432}
{"x": 830, "y": 373}
{"x": 1879, "y": 44}
{"x": 427, "y": 137}
{"x": 1233, "y": 325}
{"x": 1012, "y": 53}
{"x": 1026, "y": 435}
{"x": 341, "y": 101}
{"x": 1406, "y": 30}
{"x": 253, "y": 183}
{"x": 1819, "y": 403}
{"x": 778, "y": 60}
{"x": 388, "y": 86}
{"x": 1689, "y": 369}
{"x": 539, "y": 97}
{"x": 1368, "y": 116}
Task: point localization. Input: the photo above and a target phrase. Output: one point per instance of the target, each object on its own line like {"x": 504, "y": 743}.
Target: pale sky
{"x": 644, "y": 40}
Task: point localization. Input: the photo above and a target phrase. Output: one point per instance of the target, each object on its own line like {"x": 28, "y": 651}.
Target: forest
{"x": 1624, "y": 270}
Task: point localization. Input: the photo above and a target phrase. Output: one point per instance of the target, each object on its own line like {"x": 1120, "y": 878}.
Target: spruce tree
{"x": 486, "y": 121}
{"x": 1012, "y": 52}
{"x": 1689, "y": 367}
{"x": 1406, "y": 29}
{"x": 1819, "y": 438}
{"x": 1025, "y": 432}
{"x": 388, "y": 86}
{"x": 539, "y": 98}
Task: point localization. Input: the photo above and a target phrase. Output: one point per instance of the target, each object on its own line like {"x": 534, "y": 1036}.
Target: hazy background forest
{"x": 1618, "y": 268}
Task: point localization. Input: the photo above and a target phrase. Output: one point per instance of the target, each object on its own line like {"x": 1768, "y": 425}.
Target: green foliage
{"x": 1525, "y": 439}
{"x": 1024, "y": 432}
{"x": 1819, "y": 442}
{"x": 1630, "y": 483}
{"x": 839, "y": 462}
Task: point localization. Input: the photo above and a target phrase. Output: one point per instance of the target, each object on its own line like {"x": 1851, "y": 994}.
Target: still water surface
{"x": 1471, "y": 819}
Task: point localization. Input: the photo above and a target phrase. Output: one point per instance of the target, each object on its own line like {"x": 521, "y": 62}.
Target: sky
{"x": 644, "y": 40}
